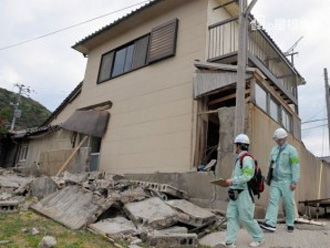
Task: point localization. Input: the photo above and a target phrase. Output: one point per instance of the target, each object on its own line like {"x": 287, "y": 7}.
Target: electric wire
{"x": 70, "y": 27}
{"x": 305, "y": 129}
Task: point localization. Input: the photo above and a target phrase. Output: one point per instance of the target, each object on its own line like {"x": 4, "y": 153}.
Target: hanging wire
{"x": 70, "y": 27}
{"x": 310, "y": 119}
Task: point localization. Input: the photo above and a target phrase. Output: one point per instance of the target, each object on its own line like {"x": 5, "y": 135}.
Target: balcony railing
{"x": 223, "y": 43}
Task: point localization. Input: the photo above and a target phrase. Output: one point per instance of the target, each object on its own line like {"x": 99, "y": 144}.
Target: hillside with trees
{"x": 33, "y": 113}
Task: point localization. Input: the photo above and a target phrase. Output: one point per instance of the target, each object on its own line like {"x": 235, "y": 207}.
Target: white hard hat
{"x": 243, "y": 139}
{"x": 280, "y": 133}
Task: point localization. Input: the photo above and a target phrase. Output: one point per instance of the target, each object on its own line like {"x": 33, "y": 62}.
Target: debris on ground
{"x": 48, "y": 242}
{"x": 135, "y": 212}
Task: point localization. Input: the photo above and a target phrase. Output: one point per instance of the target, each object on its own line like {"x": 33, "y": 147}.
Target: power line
{"x": 69, "y": 27}
{"x": 316, "y": 120}
{"x": 316, "y": 114}
{"x": 305, "y": 129}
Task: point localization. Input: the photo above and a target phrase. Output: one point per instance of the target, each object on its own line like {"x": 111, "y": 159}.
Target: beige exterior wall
{"x": 152, "y": 119}
{"x": 68, "y": 110}
{"x": 260, "y": 130}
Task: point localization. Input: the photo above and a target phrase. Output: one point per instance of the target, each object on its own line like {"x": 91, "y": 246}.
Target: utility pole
{"x": 327, "y": 99}
{"x": 242, "y": 59}
{"x": 16, "y": 114}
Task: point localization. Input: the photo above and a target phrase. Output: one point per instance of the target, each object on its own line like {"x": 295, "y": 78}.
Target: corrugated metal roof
{"x": 116, "y": 22}
{"x": 33, "y": 131}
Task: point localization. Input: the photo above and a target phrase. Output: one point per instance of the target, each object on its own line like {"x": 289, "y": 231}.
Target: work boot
{"x": 256, "y": 243}
{"x": 290, "y": 229}
{"x": 268, "y": 227}
{"x": 225, "y": 245}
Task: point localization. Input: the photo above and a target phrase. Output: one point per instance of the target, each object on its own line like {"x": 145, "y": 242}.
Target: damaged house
{"x": 158, "y": 95}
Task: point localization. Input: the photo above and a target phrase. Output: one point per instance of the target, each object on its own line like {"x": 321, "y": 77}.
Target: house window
{"x": 286, "y": 120}
{"x": 261, "y": 98}
{"x": 23, "y": 153}
{"x": 273, "y": 109}
{"x": 155, "y": 46}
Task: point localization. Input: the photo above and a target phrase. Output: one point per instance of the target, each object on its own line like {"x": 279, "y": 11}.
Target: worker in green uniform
{"x": 241, "y": 206}
{"x": 283, "y": 177}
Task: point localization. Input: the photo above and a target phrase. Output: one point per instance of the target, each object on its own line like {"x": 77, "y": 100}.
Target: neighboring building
{"x": 167, "y": 75}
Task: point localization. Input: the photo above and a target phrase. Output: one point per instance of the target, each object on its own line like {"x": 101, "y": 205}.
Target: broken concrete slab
{"x": 114, "y": 227}
{"x": 12, "y": 181}
{"x": 171, "y": 230}
{"x": 192, "y": 214}
{"x": 43, "y": 186}
{"x": 132, "y": 195}
{"x": 173, "y": 240}
{"x": 23, "y": 188}
{"x": 75, "y": 178}
{"x": 73, "y": 207}
{"x": 152, "y": 212}
{"x": 163, "y": 188}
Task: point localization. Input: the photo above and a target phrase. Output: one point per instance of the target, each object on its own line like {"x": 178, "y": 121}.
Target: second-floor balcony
{"x": 262, "y": 53}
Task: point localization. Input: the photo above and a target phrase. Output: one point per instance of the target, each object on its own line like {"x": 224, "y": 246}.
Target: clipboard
{"x": 219, "y": 182}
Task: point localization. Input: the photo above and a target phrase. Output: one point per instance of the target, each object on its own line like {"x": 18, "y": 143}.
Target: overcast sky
{"x": 52, "y": 68}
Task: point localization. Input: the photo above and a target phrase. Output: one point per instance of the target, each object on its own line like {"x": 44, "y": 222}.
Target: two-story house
{"x": 167, "y": 73}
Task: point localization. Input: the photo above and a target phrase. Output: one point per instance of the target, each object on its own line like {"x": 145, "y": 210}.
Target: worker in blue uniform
{"x": 241, "y": 206}
{"x": 283, "y": 177}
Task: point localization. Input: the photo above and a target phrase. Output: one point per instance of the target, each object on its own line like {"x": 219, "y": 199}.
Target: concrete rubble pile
{"x": 158, "y": 215}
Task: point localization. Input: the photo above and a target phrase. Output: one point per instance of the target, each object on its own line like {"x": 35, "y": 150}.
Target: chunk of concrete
{"x": 73, "y": 207}
{"x": 34, "y": 231}
{"x": 75, "y": 178}
{"x": 152, "y": 212}
{"x": 132, "y": 195}
{"x": 172, "y": 230}
{"x": 163, "y": 188}
{"x": 47, "y": 242}
{"x": 5, "y": 196}
{"x": 23, "y": 188}
{"x": 114, "y": 227}
{"x": 9, "y": 206}
{"x": 173, "y": 240}
{"x": 192, "y": 214}
{"x": 43, "y": 186}
{"x": 12, "y": 181}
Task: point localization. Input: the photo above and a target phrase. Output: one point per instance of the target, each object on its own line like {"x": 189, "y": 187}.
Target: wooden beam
{"x": 208, "y": 112}
{"x": 71, "y": 156}
{"x": 225, "y": 98}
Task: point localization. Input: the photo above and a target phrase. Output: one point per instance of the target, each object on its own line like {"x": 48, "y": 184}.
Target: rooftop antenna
{"x": 291, "y": 51}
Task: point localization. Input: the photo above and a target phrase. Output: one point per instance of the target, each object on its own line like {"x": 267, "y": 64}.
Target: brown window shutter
{"x": 163, "y": 41}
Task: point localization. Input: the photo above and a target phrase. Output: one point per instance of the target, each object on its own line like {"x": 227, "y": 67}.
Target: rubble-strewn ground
{"x": 12, "y": 224}
{"x": 124, "y": 214}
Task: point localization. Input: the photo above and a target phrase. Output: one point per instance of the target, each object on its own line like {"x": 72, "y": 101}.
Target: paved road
{"x": 305, "y": 236}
